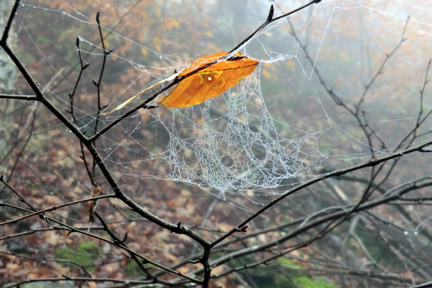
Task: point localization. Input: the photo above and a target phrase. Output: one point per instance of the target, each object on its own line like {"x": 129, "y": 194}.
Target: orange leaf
{"x": 210, "y": 81}
{"x": 204, "y": 84}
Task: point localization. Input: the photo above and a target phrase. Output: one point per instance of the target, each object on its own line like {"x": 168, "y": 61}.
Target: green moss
{"x": 306, "y": 282}
{"x": 288, "y": 263}
{"x": 84, "y": 255}
{"x": 132, "y": 269}
{"x": 303, "y": 281}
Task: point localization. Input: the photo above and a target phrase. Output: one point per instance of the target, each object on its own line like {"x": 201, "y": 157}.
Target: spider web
{"x": 230, "y": 143}
{"x": 239, "y": 141}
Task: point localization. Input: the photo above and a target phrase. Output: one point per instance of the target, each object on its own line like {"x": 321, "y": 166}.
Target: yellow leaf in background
{"x": 157, "y": 43}
{"x": 170, "y": 23}
{"x": 266, "y": 74}
{"x": 208, "y": 82}
{"x": 157, "y": 11}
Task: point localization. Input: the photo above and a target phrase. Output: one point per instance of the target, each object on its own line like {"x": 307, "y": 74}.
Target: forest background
{"x": 329, "y": 186}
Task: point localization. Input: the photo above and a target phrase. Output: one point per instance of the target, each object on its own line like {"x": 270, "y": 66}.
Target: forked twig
{"x": 83, "y": 66}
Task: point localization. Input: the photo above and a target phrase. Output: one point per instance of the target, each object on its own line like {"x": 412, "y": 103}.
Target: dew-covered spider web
{"x": 229, "y": 143}
{"x": 278, "y": 127}
{"x": 237, "y": 148}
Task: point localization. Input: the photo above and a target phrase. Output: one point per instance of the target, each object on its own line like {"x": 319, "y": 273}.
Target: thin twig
{"x": 19, "y": 97}
{"x": 22, "y": 199}
{"x": 48, "y": 229}
{"x": 98, "y": 83}
{"x": 66, "y": 278}
{"x": 56, "y": 207}
{"x": 71, "y": 111}
{"x": 420, "y": 118}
